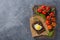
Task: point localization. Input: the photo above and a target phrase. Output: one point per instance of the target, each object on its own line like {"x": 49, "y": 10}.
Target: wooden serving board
{"x": 32, "y": 20}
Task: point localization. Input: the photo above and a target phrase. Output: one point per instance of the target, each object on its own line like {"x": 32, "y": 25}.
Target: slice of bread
{"x": 34, "y": 33}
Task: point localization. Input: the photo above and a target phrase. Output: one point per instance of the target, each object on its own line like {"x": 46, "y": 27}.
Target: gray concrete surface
{"x": 14, "y": 18}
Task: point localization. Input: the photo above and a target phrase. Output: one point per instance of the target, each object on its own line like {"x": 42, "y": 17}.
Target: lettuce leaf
{"x": 50, "y": 34}
{"x": 43, "y": 16}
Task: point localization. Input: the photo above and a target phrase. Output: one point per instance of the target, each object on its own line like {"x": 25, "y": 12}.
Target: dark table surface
{"x": 14, "y": 18}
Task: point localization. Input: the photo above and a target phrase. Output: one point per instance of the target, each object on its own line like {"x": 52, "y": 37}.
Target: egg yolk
{"x": 38, "y": 27}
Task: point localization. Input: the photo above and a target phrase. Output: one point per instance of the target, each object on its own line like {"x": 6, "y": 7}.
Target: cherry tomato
{"x": 51, "y": 14}
{"x": 47, "y": 22}
{"x": 47, "y": 8}
{"x": 43, "y": 7}
{"x": 43, "y": 12}
{"x": 53, "y": 24}
{"x": 48, "y": 17}
{"x": 39, "y": 10}
{"x": 53, "y": 19}
{"x": 49, "y": 27}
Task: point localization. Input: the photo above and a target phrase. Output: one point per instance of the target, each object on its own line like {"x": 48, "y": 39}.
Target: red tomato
{"x": 39, "y": 10}
{"x": 48, "y": 17}
{"x": 51, "y": 14}
{"x": 49, "y": 27}
{"x": 43, "y": 12}
{"x": 47, "y": 22}
{"x": 43, "y": 7}
{"x": 53, "y": 19}
{"x": 47, "y": 8}
{"x": 54, "y": 24}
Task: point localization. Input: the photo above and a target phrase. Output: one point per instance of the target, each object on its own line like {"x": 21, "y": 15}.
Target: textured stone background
{"x": 14, "y": 18}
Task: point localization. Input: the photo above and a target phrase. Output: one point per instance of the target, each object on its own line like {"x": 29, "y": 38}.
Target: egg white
{"x": 35, "y": 26}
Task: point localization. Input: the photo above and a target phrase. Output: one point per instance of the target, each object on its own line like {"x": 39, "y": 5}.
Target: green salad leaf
{"x": 43, "y": 16}
{"x": 50, "y": 34}
{"x": 52, "y": 9}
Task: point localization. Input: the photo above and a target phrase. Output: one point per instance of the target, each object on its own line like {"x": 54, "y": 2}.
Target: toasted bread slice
{"x": 34, "y": 33}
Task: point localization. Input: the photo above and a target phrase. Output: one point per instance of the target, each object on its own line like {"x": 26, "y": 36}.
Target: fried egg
{"x": 37, "y": 27}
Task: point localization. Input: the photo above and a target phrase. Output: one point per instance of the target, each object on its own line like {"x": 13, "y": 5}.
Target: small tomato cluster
{"x": 43, "y": 9}
{"x": 50, "y": 19}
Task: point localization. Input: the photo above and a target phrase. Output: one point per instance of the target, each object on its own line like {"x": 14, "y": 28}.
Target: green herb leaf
{"x": 52, "y": 9}
{"x": 50, "y": 34}
{"x": 43, "y": 16}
